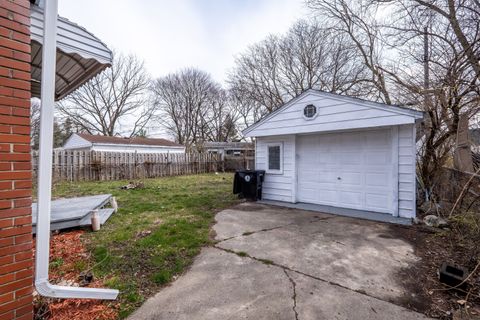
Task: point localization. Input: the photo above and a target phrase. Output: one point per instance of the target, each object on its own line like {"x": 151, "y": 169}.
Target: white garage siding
{"x": 277, "y": 187}
{"x": 406, "y": 171}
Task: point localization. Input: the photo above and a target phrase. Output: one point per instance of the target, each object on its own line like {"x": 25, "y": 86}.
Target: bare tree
{"x": 115, "y": 100}
{"x": 356, "y": 21}
{"x": 279, "y": 68}
{"x": 190, "y": 106}
{"x": 248, "y": 111}
{"x": 34, "y": 123}
{"x": 461, "y": 18}
{"x": 61, "y": 130}
{"x": 221, "y": 118}
{"x": 438, "y": 76}
{"x": 435, "y": 70}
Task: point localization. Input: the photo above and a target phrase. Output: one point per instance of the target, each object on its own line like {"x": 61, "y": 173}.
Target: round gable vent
{"x": 310, "y": 111}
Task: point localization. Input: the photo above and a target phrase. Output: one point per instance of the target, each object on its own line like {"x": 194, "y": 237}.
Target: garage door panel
{"x": 328, "y": 196}
{"x": 318, "y": 175}
{"x": 351, "y": 178}
{"x": 351, "y": 199}
{"x": 378, "y": 201}
{"x": 309, "y": 174}
{"x": 347, "y": 168}
{"x": 327, "y": 177}
{"x": 343, "y": 145}
{"x": 378, "y": 167}
{"x": 325, "y": 158}
{"x": 378, "y": 157}
{"x": 318, "y": 187}
{"x": 377, "y": 190}
{"x": 375, "y": 179}
{"x": 346, "y": 158}
{"x": 362, "y": 161}
{"x": 325, "y": 168}
{"x": 349, "y": 188}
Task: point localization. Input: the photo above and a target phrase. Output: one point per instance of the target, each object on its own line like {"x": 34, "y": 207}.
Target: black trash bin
{"x": 248, "y": 184}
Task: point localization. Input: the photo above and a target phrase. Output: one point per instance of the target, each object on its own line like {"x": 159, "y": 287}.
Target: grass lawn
{"x": 156, "y": 233}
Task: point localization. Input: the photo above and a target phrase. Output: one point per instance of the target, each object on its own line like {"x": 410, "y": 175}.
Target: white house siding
{"x": 332, "y": 114}
{"x": 75, "y": 142}
{"x": 406, "y": 171}
{"x": 277, "y": 186}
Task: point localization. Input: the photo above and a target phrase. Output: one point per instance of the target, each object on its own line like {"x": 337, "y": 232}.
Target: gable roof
{"x": 357, "y": 101}
{"x": 128, "y": 141}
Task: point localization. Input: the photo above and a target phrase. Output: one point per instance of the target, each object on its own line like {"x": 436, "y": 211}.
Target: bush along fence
{"x": 99, "y": 165}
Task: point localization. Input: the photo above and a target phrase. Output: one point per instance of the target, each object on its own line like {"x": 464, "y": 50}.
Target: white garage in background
{"x": 337, "y": 151}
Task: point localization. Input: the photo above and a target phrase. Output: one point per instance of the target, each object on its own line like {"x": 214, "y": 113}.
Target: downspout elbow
{"x": 46, "y": 289}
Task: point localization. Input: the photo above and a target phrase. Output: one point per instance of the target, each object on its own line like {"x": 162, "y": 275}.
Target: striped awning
{"x": 80, "y": 55}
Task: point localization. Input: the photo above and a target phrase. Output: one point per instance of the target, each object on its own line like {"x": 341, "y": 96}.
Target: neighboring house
{"x": 88, "y": 142}
{"x": 230, "y": 148}
{"x": 333, "y": 150}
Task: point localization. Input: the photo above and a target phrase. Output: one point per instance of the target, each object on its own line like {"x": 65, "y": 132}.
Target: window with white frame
{"x": 275, "y": 158}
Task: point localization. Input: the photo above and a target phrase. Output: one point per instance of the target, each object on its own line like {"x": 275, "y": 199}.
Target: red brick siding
{"x": 16, "y": 269}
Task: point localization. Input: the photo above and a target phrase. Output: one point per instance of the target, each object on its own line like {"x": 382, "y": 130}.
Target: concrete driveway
{"x": 278, "y": 263}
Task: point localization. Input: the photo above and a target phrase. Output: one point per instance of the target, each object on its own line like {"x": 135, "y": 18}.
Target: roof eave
{"x": 80, "y": 55}
{"x": 136, "y": 145}
{"x": 88, "y": 46}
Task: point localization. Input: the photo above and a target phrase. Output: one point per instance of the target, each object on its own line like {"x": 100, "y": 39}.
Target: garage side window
{"x": 275, "y": 157}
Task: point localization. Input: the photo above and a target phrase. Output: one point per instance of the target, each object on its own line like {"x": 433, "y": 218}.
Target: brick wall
{"x": 15, "y": 167}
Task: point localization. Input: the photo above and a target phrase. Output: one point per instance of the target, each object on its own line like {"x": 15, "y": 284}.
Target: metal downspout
{"x": 43, "y": 286}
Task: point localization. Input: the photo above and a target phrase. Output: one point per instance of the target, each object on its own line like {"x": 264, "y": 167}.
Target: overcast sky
{"x": 171, "y": 34}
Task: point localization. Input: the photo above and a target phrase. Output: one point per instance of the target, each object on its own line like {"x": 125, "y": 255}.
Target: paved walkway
{"x": 278, "y": 263}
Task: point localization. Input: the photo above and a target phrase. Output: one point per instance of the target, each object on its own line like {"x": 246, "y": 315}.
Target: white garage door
{"x": 351, "y": 170}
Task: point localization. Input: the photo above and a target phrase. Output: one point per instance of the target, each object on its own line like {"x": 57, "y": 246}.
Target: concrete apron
{"x": 277, "y": 263}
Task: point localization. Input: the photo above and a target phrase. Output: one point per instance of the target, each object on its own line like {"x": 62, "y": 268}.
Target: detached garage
{"x": 326, "y": 149}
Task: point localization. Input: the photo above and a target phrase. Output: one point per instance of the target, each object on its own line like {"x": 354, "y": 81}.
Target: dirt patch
{"x": 68, "y": 258}
{"x": 427, "y": 294}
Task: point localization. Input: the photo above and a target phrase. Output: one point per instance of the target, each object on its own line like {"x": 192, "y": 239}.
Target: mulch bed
{"x": 67, "y": 249}
{"x": 427, "y": 294}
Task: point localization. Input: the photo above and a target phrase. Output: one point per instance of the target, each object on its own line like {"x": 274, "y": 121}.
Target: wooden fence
{"x": 232, "y": 163}
{"x": 98, "y": 165}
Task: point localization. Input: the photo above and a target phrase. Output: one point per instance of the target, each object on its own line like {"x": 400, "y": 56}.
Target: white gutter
{"x": 43, "y": 286}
